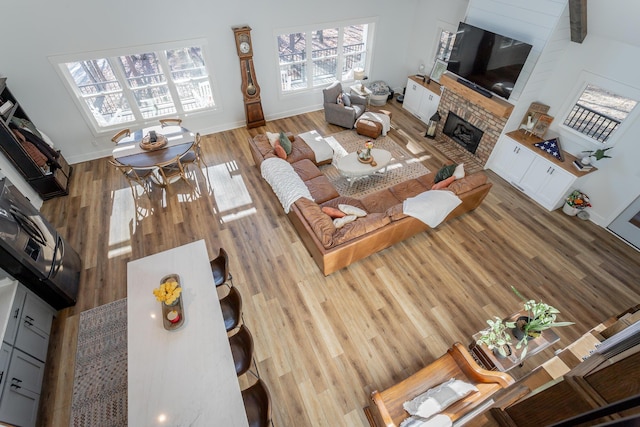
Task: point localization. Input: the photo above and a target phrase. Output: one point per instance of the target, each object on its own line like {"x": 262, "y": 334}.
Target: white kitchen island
{"x": 183, "y": 377}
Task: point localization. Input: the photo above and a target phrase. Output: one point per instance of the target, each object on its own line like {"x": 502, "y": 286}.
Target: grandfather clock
{"x": 250, "y": 88}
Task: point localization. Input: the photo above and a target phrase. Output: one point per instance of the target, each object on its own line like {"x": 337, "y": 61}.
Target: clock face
{"x": 245, "y": 47}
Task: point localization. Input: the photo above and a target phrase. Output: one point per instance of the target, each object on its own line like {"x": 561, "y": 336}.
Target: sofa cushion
{"x": 360, "y": 227}
{"x": 272, "y": 137}
{"x": 468, "y": 183}
{"x": 306, "y": 169}
{"x": 333, "y": 212}
{"x": 406, "y": 189}
{"x": 320, "y": 222}
{"x": 344, "y": 200}
{"x": 321, "y": 189}
{"x": 427, "y": 180}
{"x": 379, "y": 201}
{"x": 395, "y": 212}
{"x": 438, "y": 398}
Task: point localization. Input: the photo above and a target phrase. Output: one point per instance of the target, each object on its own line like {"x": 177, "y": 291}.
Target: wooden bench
{"x": 456, "y": 363}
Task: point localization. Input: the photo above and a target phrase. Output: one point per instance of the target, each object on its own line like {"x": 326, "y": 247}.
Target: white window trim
{"x": 308, "y": 29}
{"x": 585, "y": 78}
{"x": 59, "y": 61}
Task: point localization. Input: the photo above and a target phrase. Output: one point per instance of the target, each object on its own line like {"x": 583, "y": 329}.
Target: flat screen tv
{"x": 486, "y": 61}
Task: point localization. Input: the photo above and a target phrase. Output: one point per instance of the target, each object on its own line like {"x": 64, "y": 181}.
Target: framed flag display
{"x": 551, "y": 146}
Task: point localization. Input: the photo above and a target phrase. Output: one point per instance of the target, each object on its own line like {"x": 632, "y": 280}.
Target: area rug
{"x": 100, "y": 379}
{"x": 403, "y": 166}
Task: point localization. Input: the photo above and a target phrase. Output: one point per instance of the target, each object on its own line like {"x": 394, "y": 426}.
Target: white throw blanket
{"x": 431, "y": 207}
{"x": 380, "y": 118}
{"x": 284, "y": 181}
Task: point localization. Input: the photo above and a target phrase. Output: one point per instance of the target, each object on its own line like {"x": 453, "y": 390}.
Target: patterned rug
{"x": 403, "y": 165}
{"x": 100, "y": 379}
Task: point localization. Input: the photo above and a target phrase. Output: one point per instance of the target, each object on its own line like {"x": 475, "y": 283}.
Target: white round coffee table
{"x": 353, "y": 169}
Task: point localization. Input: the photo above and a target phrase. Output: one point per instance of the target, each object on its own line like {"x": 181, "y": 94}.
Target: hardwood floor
{"x": 324, "y": 343}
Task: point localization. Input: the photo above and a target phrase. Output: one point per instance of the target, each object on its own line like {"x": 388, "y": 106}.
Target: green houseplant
{"x": 496, "y": 337}
{"x": 540, "y": 316}
{"x": 598, "y": 154}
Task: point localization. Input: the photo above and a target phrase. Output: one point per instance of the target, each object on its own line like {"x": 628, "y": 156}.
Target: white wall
{"x": 87, "y": 26}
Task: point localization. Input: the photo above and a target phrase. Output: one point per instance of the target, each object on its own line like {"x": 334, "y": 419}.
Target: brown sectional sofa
{"x": 385, "y": 224}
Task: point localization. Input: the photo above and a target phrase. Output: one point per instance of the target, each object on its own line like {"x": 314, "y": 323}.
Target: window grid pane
{"x": 105, "y": 93}
{"x": 598, "y": 113}
{"x": 330, "y": 48}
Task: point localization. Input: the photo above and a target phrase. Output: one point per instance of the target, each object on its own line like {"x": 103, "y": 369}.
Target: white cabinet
{"x": 542, "y": 179}
{"x": 547, "y": 183}
{"x": 421, "y": 101}
{"x": 22, "y": 357}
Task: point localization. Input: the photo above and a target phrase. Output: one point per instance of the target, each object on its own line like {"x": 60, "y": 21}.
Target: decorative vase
{"x": 569, "y": 210}
{"x": 586, "y": 160}
{"x": 173, "y": 304}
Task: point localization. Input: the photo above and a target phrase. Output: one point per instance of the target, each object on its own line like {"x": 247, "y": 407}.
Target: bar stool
{"x": 220, "y": 269}
{"x": 241, "y": 344}
{"x": 231, "y": 306}
{"x": 257, "y": 404}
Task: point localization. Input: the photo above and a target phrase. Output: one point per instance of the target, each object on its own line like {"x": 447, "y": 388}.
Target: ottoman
{"x": 369, "y": 128}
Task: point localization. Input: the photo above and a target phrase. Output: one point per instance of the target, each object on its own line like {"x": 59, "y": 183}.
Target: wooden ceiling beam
{"x": 578, "y": 20}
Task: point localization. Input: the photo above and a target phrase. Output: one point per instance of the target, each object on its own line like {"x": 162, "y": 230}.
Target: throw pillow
{"x": 346, "y": 98}
{"x": 458, "y": 173}
{"x": 286, "y": 143}
{"x": 339, "y": 100}
{"x": 444, "y": 173}
{"x": 444, "y": 183}
{"x": 339, "y": 222}
{"x": 333, "y": 212}
{"x": 440, "y": 420}
{"x": 352, "y": 210}
{"x": 272, "y": 137}
{"x": 438, "y": 398}
{"x": 277, "y": 148}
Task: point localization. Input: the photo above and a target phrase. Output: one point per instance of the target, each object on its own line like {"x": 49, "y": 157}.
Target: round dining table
{"x": 129, "y": 152}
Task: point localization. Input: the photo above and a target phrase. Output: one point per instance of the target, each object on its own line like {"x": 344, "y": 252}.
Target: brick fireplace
{"x": 479, "y": 112}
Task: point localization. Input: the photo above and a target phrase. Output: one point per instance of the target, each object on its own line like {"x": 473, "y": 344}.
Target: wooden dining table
{"x": 129, "y": 152}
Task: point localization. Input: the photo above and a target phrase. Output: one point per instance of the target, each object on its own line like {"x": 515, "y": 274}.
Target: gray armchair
{"x": 338, "y": 114}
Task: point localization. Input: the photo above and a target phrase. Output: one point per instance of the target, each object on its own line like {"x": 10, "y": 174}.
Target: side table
{"x": 490, "y": 361}
{"x": 362, "y": 91}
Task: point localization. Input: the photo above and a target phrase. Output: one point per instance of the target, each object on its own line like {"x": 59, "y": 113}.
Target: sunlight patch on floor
{"x": 229, "y": 189}
{"x": 123, "y": 212}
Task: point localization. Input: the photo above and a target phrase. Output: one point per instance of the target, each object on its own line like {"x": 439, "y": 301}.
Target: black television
{"x": 487, "y": 62}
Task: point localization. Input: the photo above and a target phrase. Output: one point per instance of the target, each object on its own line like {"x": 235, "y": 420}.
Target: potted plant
{"x": 496, "y": 337}
{"x": 540, "y": 316}
{"x": 575, "y": 202}
{"x": 598, "y": 154}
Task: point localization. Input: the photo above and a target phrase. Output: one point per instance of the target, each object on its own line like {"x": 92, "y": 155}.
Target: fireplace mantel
{"x": 495, "y": 105}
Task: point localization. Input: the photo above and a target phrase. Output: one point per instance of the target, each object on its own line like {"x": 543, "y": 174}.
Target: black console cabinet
{"x": 50, "y": 181}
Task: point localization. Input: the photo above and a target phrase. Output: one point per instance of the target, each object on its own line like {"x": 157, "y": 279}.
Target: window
{"x": 598, "y": 113}
{"x": 120, "y": 89}
{"x": 317, "y": 57}
{"x": 445, "y": 44}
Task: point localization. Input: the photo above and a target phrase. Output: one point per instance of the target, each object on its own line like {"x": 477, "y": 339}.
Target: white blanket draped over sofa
{"x": 284, "y": 181}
